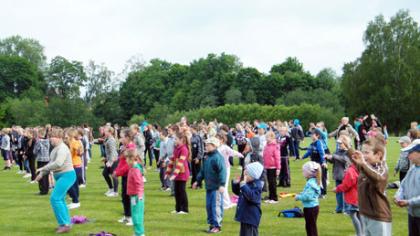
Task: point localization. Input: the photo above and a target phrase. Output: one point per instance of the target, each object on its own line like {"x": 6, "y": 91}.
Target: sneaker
{"x": 123, "y": 220}
{"x": 20, "y": 172}
{"x": 82, "y": 186}
{"x": 167, "y": 189}
{"x": 215, "y": 230}
{"x": 267, "y": 201}
{"x": 174, "y": 212}
{"x": 129, "y": 222}
{"x": 33, "y": 182}
{"x": 27, "y": 176}
{"x": 63, "y": 229}
{"x": 112, "y": 194}
{"x": 144, "y": 179}
{"x": 273, "y": 202}
{"x": 73, "y": 205}
{"x": 109, "y": 191}
{"x": 182, "y": 213}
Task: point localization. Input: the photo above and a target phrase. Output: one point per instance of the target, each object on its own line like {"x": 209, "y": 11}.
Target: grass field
{"x": 23, "y": 212}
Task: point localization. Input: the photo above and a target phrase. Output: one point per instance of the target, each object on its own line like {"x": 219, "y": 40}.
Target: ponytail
{"x": 318, "y": 177}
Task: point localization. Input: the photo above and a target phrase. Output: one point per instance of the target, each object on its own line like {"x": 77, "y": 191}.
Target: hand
{"x": 296, "y": 197}
{"x": 194, "y": 186}
{"x": 402, "y": 203}
{"x": 172, "y": 178}
{"x": 166, "y": 176}
{"x": 277, "y": 172}
{"x": 38, "y": 170}
{"x": 221, "y": 189}
{"x": 324, "y": 165}
{"x": 358, "y": 157}
{"x": 196, "y": 161}
{"x": 38, "y": 178}
{"x": 329, "y": 157}
{"x": 114, "y": 175}
{"x": 334, "y": 190}
{"x": 108, "y": 164}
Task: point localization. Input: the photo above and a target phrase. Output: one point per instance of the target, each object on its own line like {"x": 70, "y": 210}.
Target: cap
{"x": 214, "y": 141}
{"x": 404, "y": 139}
{"x": 413, "y": 147}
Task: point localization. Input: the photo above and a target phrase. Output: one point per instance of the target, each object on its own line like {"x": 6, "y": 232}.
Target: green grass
{"x": 24, "y": 213}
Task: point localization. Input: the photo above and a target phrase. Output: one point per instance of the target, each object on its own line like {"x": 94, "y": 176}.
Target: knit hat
{"x": 254, "y": 170}
{"x": 213, "y": 140}
{"x": 404, "y": 139}
{"x": 310, "y": 168}
{"x": 296, "y": 122}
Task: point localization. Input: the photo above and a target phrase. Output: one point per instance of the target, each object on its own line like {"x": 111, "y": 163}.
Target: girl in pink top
{"x": 271, "y": 156}
{"x": 227, "y": 152}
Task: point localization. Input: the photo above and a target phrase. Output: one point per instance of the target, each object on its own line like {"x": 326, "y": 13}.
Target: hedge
{"x": 231, "y": 114}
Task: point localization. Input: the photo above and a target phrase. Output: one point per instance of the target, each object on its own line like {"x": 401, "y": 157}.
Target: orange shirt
{"x": 76, "y": 148}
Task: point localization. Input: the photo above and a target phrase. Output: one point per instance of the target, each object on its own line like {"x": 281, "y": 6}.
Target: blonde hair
{"x": 313, "y": 170}
{"x": 57, "y": 133}
{"x": 270, "y": 135}
{"x": 132, "y": 154}
{"x": 376, "y": 146}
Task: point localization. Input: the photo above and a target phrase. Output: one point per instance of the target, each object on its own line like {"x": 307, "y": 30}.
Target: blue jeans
{"x": 63, "y": 182}
{"x": 214, "y": 206}
{"x": 339, "y": 198}
{"x": 74, "y": 190}
{"x": 296, "y": 148}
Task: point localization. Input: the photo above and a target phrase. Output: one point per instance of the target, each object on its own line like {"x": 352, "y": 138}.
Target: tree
{"x": 27, "y": 112}
{"x": 107, "y": 107}
{"x": 385, "y": 79}
{"x": 17, "y": 75}
{"x": 98, "y": 81}
{"x": 27, "y": 48}
{"x": 65, "y": 77}
{"x": 233, "y": 96}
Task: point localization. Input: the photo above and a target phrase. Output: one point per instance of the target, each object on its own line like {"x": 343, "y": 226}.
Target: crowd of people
{"x": 186, "y": 154}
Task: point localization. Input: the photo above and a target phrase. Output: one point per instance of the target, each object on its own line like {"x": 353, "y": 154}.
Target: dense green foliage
{"x": 383, "y": 81}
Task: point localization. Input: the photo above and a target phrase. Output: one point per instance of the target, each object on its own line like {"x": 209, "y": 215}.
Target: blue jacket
{"x": 248, "y": 210}
{"x": 213, "y": 171}
{"x": 310, "y": 194}
{"x": 316, "y": 151}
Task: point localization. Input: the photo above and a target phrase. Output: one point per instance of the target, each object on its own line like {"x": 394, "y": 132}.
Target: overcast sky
{"x": 261, "y": 33}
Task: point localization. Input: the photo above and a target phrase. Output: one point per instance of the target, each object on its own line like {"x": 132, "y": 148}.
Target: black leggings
{"x": 149, "y": 149}
{"x": 324, "y": 181}
{"x": 32, "y": 167}
{"x": 311, "y": 215}
{"x": 181, "y": 198}
{"x": 107, "y": 172}
{"x": 272, "y": 185}
{"x": 156, "y": 153}
{"x": 125, "y": 197}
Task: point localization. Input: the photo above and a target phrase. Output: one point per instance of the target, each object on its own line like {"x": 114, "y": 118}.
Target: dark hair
{"x": 225, "y": 128}
{"x": 128, "y": 134}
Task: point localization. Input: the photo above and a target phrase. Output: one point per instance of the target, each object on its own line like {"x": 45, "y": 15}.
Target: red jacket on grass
{"x": 123, "y": 168}
{"x": 349, "y": 186}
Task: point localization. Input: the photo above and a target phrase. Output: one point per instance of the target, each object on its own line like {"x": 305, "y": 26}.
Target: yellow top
{"x": 76, "y": 150}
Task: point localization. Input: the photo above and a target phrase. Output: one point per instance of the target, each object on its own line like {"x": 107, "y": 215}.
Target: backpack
{"x": 291, "y": 213}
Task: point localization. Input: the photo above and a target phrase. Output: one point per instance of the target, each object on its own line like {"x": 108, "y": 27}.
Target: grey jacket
{"x": 111, "y": 153}
{"x": 140, "y": 144}
{"x": 5, "y": 142}
{"x": 340, "y": 163}
{"x": 410, "y": 190}
{"x": 60, "y": 160}
{"x": 42, "y": 150}
{"x": 403, "y": 163}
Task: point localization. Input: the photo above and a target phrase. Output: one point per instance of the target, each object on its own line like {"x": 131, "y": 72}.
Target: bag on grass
{"x": 103, "y": 233}
{"x": 79, "y": 220}
{"x": 292, "y": 213}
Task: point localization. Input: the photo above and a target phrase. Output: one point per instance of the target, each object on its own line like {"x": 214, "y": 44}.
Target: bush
{"x": 231, "y": 114}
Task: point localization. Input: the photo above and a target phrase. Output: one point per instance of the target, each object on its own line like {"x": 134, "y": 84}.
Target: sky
{"x": 323, "y": 33}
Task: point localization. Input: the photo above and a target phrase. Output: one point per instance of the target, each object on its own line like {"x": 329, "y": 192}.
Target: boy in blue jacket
{"x": 248, "y": 211}
{"x": 214, "y": 174}
{"x": 309, "y": 196}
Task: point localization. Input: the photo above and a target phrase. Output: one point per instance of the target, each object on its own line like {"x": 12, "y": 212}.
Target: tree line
{"x": 383, "y": 80}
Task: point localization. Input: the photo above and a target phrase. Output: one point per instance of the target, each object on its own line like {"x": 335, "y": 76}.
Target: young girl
{"x": 76, "y": 150}
{"x": 122, "y": 170}
{"x": 285, "y": 142}
{"x": 181, "y": 173}
{"x": 272, "y": 166}
{"x": 317, "y": 153}
{"x": 135, "y": 189}
{"x": 309, "y": 196}
{"x": 227, "y": 152}
{"x": 349, "y": 188}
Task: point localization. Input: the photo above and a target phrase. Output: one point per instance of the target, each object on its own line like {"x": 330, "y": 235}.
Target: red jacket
{"x": 349, "y": 186}
{"x": 179, "y": 164}
{"x": 123, "y": 168}
{"x": 135, "y": 182}
{"x": 271, "y": 156}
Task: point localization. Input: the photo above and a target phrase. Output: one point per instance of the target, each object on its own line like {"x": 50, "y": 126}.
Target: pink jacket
{"x": 271, "y": 156}
{"x": 135, "y": 182}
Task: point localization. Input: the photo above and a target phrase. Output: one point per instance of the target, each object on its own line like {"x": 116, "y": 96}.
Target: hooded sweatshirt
{"x": 42, "y": 150}
{"x": 410, "y": 190}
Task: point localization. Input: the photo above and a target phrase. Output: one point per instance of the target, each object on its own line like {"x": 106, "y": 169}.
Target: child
{"x": 5, "y": 148}
{"x": 317, "y": 153}
{"x": 42, "y": 153}
{"x": 271, "y": 156}
{"x": 227, "y": 152}
{"x": 408, "y": 195}
{"x": 248, "y": 212}
{"x": 372, "y": 182}
{"x": 76, "y": 150}
{"x": 349, "y": 188}
{"x": 163, "y": 160}
{"x": 111, "y": 162}
{"x": 135, "y": 189}
{"x": 309, "y": 196}
{"x": 181, "y": 173}
{"x": 403, "y": 163}
{"x": 285, "y": 144}
{"x": 122, "y": 170}
{"x": 197, "y": 153}
{"x": 214, "y": 173}
{"x": 340, "y": 162}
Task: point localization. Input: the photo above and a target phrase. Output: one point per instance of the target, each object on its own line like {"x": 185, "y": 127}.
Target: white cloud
{"x": 261, "y": 33}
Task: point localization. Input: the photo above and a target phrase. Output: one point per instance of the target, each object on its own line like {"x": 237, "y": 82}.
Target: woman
{"x": 62, "y": 167}
{"x": 181, "y": 173}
